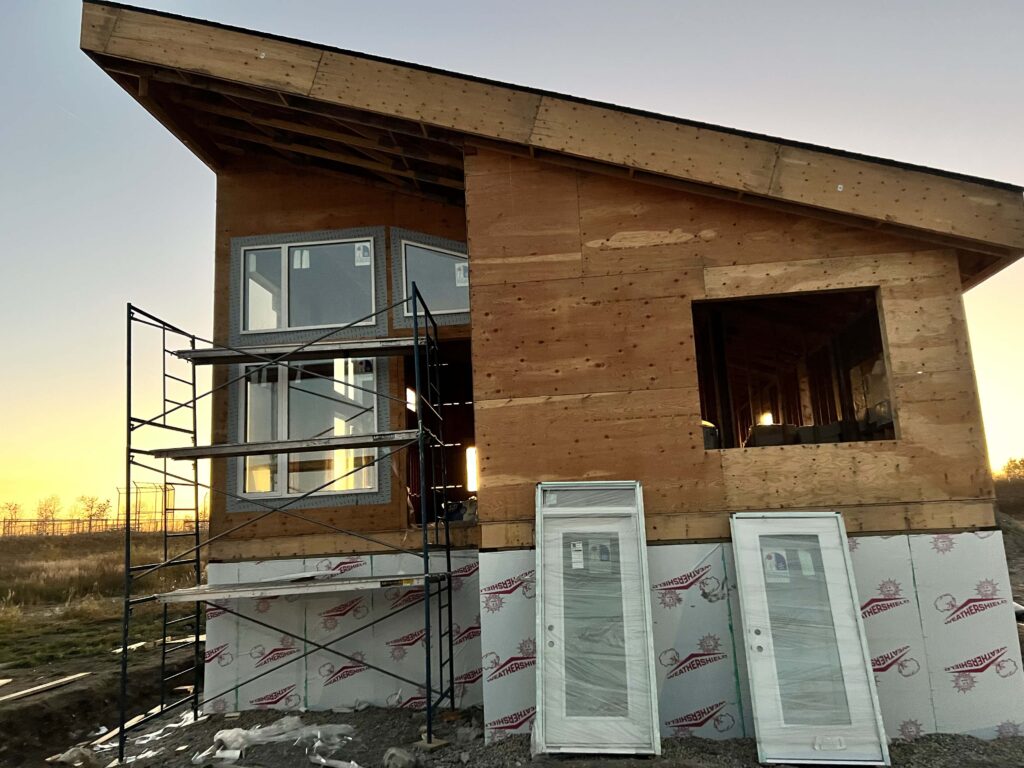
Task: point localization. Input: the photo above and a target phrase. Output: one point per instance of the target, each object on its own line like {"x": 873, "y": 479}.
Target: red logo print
{"x": 987, "y": 591}
{"x": 943, "y": 543}
{"x": 419, "y": 701}
{"x": 469, "y": 633}
{"x": 340, "y": 567}
{"x": 965, "y": 672}
{"x": 525, "y": 659}
{"x": 284, "y": 649}
{"x": 668, "y": 591}
{"x": 897, "y": 659}
{"x": 889, "y": 597}
{"x": 401, "y": 597}
{"x": 709, "y": 653}
{"x": 400, "y": 646}
{"x": 722, "y": 721}
{"x": 219, "y": 654}
{"x": 513, "y": 722}
{"x": 459, "y": 575}
{"x": 910, "y": 730}
{"x": 213, "y": 610}
{"x": 356, "y": 607}
{"x": 286, "y": 696}
{"x": 332, "y": 674}
{"x": 494, "y": 595}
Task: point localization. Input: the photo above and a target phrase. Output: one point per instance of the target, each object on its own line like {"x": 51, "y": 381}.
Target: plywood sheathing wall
{"x": 583, "y": 356}
{"x": 278, "y": 201}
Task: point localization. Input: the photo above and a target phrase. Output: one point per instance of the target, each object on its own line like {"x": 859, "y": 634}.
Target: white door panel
{"x": 595, "y": 674}
{"x": 811, "y": 682}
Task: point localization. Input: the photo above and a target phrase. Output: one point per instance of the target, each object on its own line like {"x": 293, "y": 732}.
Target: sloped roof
{"x": 227, "y": 92}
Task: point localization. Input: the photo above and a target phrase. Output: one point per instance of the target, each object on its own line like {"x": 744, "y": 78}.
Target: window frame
{"x": 406, "y": 309}
{"x": 281, "y": 459}
{"x": 284, "y": 246}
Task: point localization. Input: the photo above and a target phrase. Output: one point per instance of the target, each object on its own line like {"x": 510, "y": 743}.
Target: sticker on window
{"x": 576, "y": 548}
{"x": 462, "y": 274}
{"x": 776, "y": 567}
{"x": 363, "y": 257}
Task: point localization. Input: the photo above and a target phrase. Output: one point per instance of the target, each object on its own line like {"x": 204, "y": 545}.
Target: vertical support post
{"x": 198, "y": 657}
{"x": 126, "y": 617}
{"x": 421, "y": 442}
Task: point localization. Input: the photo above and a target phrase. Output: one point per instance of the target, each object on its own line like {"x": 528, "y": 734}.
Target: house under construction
{"x": 451, "y": 313}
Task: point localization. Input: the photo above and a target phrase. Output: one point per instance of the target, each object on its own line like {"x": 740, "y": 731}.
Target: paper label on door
{"x": 576, "y": 547}
{"x": 776, "y": 567}
{"x": 462, "y": 275}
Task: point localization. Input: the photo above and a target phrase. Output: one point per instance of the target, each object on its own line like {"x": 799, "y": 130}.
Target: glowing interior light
{"x": 766, "y": 419}
{"x": 410, "y": 400}
{"x": 472, "y": 470}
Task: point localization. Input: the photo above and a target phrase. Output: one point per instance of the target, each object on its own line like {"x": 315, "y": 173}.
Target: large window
{"x": 442, "y": 277}
{"x": 307, "y": 285}
{"x": 304, "y": 401}
{"x": 792, "y": 369}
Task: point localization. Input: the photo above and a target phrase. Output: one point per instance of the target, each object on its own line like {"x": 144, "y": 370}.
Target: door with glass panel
{"x": 595, "y": 676}
{"x": 810, "y": 672}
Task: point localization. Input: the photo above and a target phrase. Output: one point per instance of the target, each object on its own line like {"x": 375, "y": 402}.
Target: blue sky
{"x": 100, "y": 205}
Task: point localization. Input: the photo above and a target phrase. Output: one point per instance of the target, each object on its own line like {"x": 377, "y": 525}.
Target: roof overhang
{"x": 229, "y": 94}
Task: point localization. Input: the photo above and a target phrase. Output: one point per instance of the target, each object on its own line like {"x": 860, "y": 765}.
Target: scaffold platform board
{"x": 285, "y": 352}
{"x": 306, "y": 584}
{"x": 226, "y": 450}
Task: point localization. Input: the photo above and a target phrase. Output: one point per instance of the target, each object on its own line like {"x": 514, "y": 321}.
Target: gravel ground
{"x": 379, "y": 729}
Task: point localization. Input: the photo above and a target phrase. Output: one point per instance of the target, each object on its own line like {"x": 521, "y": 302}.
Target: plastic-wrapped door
{"x": 595, "y": 680}
{"x": 810, "y": 677}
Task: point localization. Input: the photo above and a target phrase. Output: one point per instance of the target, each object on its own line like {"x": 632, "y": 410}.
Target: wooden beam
{"x": 306, "y": 129}
{"x": 326, "y": 154}
{"x": 44, "y": 687}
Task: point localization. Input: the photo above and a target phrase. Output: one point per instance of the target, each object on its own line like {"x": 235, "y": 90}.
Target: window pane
{"x": 596, "y": 680}
{"x": 330, "y": 284}
{"x": 811, "y": 685}
{"x": 442, "y": 278}
{"x": 262, "y": 289}
{"x": 320, "y": 407}
{"x": 260, "y": 426}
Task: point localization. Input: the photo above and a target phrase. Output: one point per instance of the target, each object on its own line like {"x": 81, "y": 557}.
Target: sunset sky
{"x": 100, "y": 205}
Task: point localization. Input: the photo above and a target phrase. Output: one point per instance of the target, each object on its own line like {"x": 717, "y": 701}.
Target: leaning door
{"x": 810, "y": 674}
{"x": 595, "y": 677}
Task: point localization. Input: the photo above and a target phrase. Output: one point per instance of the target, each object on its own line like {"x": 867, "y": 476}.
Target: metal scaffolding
{"x": 177, "y": 470}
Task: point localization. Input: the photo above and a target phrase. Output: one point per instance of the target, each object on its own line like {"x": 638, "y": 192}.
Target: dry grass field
{"x": 60, "y": 596}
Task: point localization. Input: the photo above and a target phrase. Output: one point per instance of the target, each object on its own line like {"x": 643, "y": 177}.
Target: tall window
{"x": 441, "y": 276}
{"x": 305, "y": 285}
{"x": 308, "y": 400}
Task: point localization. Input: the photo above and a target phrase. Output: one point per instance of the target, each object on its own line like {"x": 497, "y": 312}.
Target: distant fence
{"x": 65, "y": 527}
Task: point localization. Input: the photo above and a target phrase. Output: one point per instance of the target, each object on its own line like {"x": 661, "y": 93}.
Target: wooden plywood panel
{"x": 595, "y": 334}
{"x": 97, "y": 24}
{"x": 331, "y": 544}
{"x": 655, "y": 145}
{"x": 879, "y": 518}
{"x": 651, "y": 436}
{"x": 632, "y": 227}
{"x": 478, "y": 108}
{"x": 523, "y": 223}
{"x": 223, "y": 53}
{"x": 898, "y": 195}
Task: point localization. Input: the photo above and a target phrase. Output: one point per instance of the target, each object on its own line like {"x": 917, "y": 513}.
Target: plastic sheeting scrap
{"x": 321, "y": 741}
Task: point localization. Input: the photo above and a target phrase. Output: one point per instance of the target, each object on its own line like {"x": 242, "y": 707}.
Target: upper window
{"x": 307, "y": 285}
{"x": 441, "y": 276}
{"x": 305, "y": 401}
{"x": 792, "y": 369}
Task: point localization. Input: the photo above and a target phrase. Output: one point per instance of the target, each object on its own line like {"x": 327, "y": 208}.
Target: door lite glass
{"x": 812, "y": 687}
{"x": 595, "y": 674}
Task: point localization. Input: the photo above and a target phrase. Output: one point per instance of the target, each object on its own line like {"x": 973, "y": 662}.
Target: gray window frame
{"x": 398, "y": 238}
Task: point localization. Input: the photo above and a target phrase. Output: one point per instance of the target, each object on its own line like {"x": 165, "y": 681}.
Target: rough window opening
{"x": 792, "y": 369}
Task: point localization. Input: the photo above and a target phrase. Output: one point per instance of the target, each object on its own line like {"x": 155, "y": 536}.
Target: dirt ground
{"x": 376, "y": 730}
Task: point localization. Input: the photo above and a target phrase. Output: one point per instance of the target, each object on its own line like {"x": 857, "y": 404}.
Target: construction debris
{"x": 44, "y": 687}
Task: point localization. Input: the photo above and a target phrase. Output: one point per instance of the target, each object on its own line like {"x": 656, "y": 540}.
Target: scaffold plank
{"x": 306, "y": 584}
{"x": 223, "y": 450}
{"x": 293, "y": 352}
